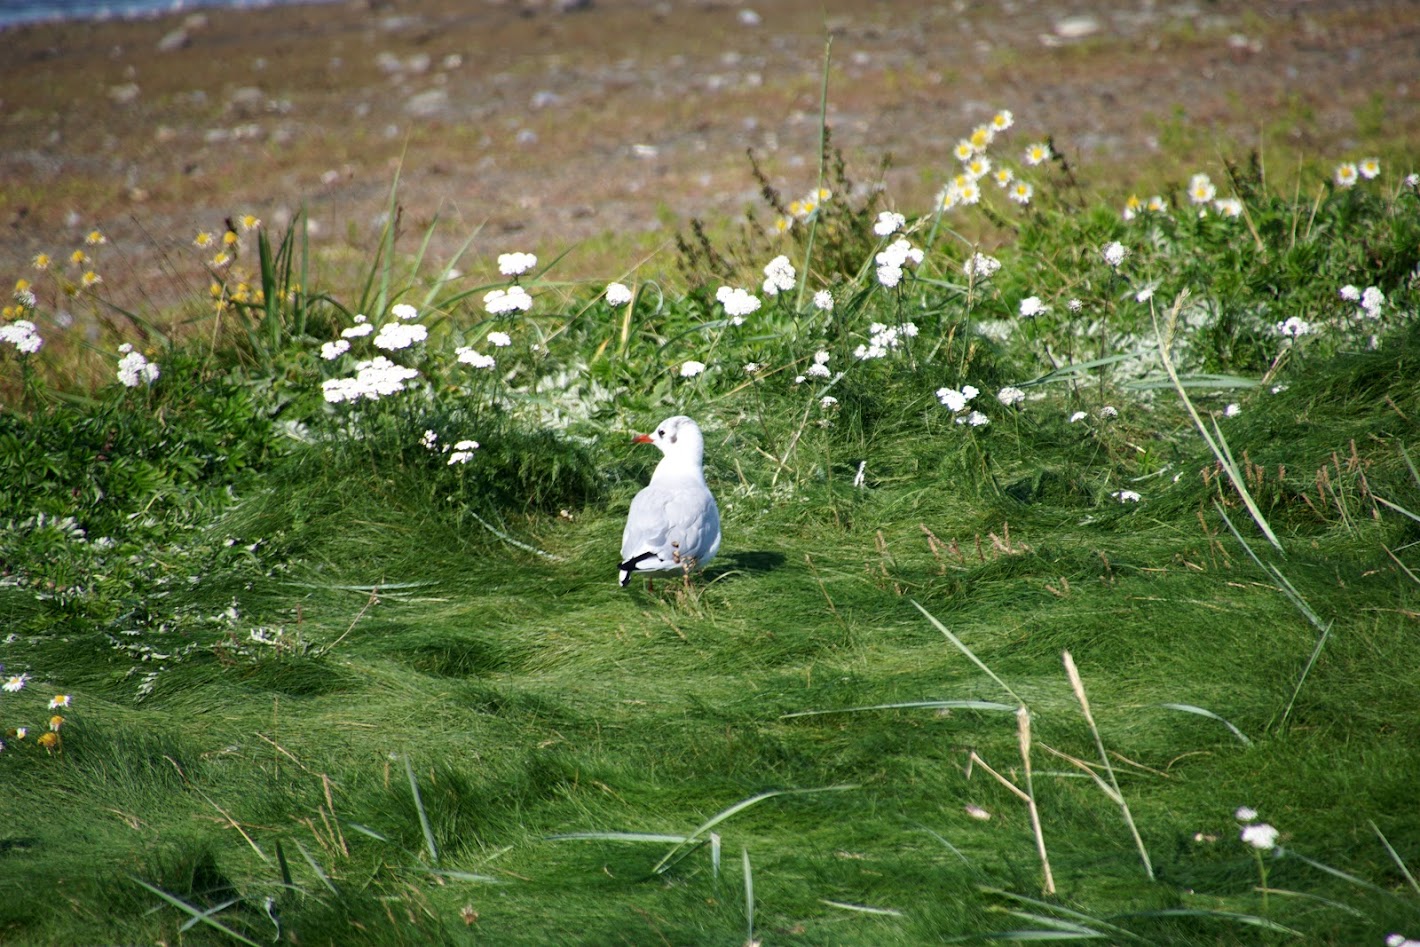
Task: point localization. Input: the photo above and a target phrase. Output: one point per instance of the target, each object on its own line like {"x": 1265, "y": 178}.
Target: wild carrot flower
{"x": 1126, "y": 496}
{"x": 823, "y": 300}
{"x": 893, "y": 258}
{"x": 333, "y": 350}
{"x": 373, "y": 379}
{"x": 1037, "y": 152}
{"x": 1144, "y": 295}
{"x": 889, "y": 223}
{"x": 23, "y": 335}
{"x": 691, "y": 368}
{"x": 1032, "y": 306}
{"x": 500, "y": 339}
{"x": 359, "y": 330}
{"x": 738, "y": 303}
{"x": 1109, "y": 412}
{"x": 1293, "y": 328}
{"x": 1260, "y": 835}
{"x": 394, "y": 336}
{"x": 1346, "y": 174}
{"x": 617, "y": 294}
{"x": 462, "y": 452}
{"x": 1371, "y": 301}
{"x": 819, "y": 369}
{"x": 1010, "y": 396}
{"x": 468, "y": 356}
{"x": 778, "y": 276}
{"x": 1078, "y": 416}
{"x": 404, "y": 312}
{"x": 1114, "y": 253}
{"x": 979, "y": 266}
{"x": 514, "y": 264}
{"x": 507, "y": 300}
{"x": 1350, "y": 292}
{"x": 956, "y": 399}
{"x": 134, "y": 369}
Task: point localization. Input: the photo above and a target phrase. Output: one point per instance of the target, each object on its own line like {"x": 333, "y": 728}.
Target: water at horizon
{"x": 16, "y": 12}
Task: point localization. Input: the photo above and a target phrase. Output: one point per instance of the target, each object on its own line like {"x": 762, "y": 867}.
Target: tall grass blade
{"x": 192, "y": 922}
{"x": 1060, "y": 910}
{"x": 423, "y": 816}
{"x": 749, "y": 898}
{"x": 315, "y": 867}
{"x": 1251, "y": 920}
{"x": 1191, "y": 709}
{"x": 193, "y": 912}
{"x": 1054, "y": 923}
{"x": 1079, "y": 687}
{"x": 909, "y": 705}
{"x": 967, "y": 651}
{"x": 862, "y": 908}
{"x": 285, "y": 866}
{"x": 1023, "y": 733}
{"x": 460, "y": 875}
{"x": 617, "y": 837}
{"x": 1218, "y": 446}
{"x": 738, "y": 807}
{"x": 1395, "y": 856}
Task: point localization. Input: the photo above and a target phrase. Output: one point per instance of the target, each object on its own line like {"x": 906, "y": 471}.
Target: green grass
{"x": 328, "y": 688}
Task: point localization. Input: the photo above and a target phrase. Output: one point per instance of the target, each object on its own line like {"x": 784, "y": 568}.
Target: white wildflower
{"x": 691, "y": 368}
{"x": 980, "y": 266}
{"x": 889, "y": 223}
{"x": 135, "y": 370}
{"x": 617, "y": 294}
{"x": 737, "y": 302}
{"x": 333, "y": 350}
{"x": 778, "y": 276}
{"x": 514, "y": 264}
{"x": 499, "y": 339}
{"x": 404, "y": 312}
{"x": 823, "y": 299}
{"x": 1260, "y": 835}
{"x": 1010, "y": 396}
{"x": 1032, "y": 306}
{"x": 468, "y": 356}
{"x": 507, "y": 300}
{"x": 1114, "y": 253}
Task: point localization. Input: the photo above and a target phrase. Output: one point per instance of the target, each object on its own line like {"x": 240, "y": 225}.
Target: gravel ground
{"x": 608, "y": 124}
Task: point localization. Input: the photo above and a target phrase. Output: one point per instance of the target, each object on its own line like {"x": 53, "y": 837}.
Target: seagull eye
{"x": 661, "y": 433}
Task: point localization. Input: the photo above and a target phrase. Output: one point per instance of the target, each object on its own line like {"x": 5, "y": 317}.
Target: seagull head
{"x": 676, "y": 437}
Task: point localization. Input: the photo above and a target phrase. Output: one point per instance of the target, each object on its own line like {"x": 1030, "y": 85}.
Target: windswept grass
{"x": 996, "y": 648}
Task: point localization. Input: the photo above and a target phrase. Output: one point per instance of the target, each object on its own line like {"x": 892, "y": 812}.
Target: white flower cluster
{"x": 1126, "y": 496}
{"x": 512, "y": 299}
{"x": 691, "y": 368}
{"x": 1114, "y": 253}
{"x": 134, "y": 369}
{"x": 330, "y": 351}
{"x": 819, "y": 369}
{"x": 1371, "y": 300}
{"x": 823, "y": 300}
{"x": 894, "y": 257}
{"x": 515, "y": 264}
{"x": 373, "y": 379}
{"x": 1293, "y": 328}
{"x": 778, "y": 276}
{"x": 23, "y": 335}
{"x": 500, "y": 339}
{"x": 399, "y": 335}
{"x": 1010, "y": 396}
{"x": 889, "y": 223}
{"x": 980, "y": 267}
{"x": 1257, "y": 834}
{"x": 883, "y": 339}
{"x": 617, "y": 294}
{"x": 956, "y": 401}
{"x": 460, "y": 453}
{"x": 738, "y": 303}
{"x": 468, "y": 356}
{"x": 404, "y": 312}
{"x": 360, "y": 329}
{"x": 1032, "y": 306}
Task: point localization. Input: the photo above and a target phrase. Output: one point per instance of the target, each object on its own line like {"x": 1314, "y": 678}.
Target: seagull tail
{"x": 629, "y": 566}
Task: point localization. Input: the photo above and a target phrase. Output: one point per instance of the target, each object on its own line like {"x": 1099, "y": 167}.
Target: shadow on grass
{"x": 748, "y": 562}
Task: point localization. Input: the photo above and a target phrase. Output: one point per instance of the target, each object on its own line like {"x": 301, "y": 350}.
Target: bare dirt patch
{"x": 612, "y": 124}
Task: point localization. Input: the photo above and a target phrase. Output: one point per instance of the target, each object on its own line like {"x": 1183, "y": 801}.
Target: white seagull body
{"x": 674, "y": 523}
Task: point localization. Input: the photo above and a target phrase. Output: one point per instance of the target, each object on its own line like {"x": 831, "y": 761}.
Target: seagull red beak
{"x": 642, "y": 439}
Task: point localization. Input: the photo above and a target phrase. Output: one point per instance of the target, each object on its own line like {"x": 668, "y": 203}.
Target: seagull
{"x": 674, "y": 522}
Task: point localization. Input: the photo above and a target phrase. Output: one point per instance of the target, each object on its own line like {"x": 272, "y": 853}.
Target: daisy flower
{"x": 981, "y": 137}
{"x": 1002, "y": 120}
{"x": 250, "y": 222}
{"x": 96, "y": 238}
{"x": 968, "y": 193}
{"x": 1156, "y": 205}
{"x": 41, "y": 261}
{"x": 1037, "y": 153}
{"x": 1229, "y": 207}
{"x": 1003, "y": 177}
{"x": 978, "y": 167}
{"x": 1132, "y": 207}
{"x": 203, "y": 240}
{"x": 1346, "y": 174}
{"x": 963, "y": 151}
{"x": 1021, "y": 192}
{"x": 17, "y": 683}
{"x": 1370, "y": 168}
{"x": 1201, "y": 189}
{"x": 79, "y": 258}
